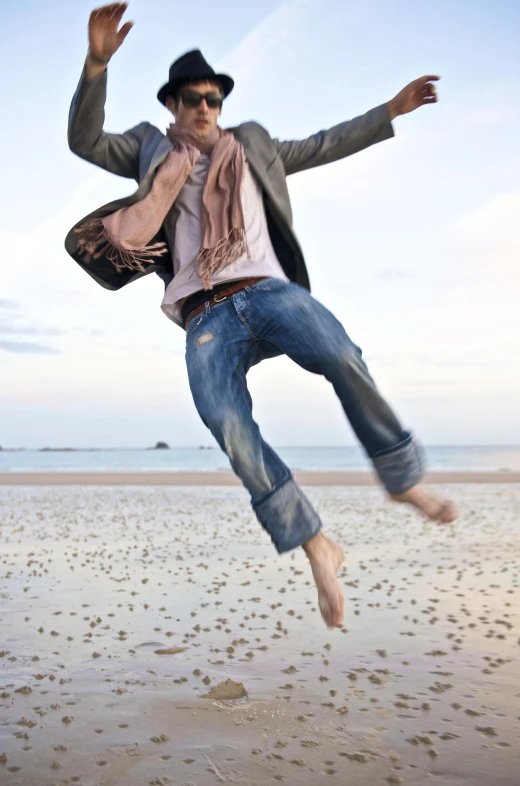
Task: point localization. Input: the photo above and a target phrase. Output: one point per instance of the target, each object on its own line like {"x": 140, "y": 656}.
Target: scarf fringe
{"x": 213, "y": 260}
{"x": 94, "y": 241}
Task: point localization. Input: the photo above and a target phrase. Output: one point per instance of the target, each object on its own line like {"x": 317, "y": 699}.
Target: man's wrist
{"x": 97, "y": 60}
{"x": 393, "y": 111}
{"x": 94, "y": 66}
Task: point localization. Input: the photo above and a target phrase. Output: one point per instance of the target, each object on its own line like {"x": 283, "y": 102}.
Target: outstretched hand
{"x": 418, "y": 93}
{"x": 104, "y": 38}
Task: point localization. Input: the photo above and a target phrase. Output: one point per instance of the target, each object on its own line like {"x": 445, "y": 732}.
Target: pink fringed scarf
{"x": 123, "y": 237}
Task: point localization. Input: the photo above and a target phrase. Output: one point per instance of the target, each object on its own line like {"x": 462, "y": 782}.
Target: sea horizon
{"x": 64, "y": 448}
{"x": 207, "y": 458}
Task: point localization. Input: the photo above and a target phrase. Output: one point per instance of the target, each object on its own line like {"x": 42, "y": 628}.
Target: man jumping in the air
{"x": 212, "y": 217}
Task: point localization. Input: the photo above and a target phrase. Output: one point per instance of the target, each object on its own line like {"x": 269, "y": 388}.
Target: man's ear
{"x": 170, "y": 104}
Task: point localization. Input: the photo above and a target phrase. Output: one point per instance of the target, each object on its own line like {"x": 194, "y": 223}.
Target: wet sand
{"x": 125, "y": 478}
{"x": 124, "y": 609}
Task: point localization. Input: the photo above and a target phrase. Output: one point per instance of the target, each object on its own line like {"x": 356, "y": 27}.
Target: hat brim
{"x": 170, "y": 87}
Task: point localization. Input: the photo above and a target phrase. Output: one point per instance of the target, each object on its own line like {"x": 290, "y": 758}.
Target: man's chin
{"x": 202, "y": 134}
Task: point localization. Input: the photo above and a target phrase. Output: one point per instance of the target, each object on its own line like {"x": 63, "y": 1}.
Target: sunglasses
{"x": 191, "y": 99}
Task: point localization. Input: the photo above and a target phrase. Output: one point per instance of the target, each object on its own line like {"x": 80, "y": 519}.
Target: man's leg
{"x": 219, "y": 352}
{"x": 307, "y": 332}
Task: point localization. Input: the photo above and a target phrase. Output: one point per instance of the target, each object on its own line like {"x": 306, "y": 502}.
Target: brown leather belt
{"x": 223, "y": 294}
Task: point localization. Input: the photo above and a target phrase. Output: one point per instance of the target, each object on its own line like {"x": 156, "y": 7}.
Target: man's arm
{"x": 355, "y": 135}
{"x": 337, "y": 142}
{"x": 118, "y": 153}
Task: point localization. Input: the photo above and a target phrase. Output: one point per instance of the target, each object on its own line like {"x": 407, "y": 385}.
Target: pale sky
{"x": 414, "y": 244}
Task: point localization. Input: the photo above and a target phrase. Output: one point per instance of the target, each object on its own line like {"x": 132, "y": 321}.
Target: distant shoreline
{"x": 4, "y": 449}
{"x": 226, "y": 478}
{"x": 97, "y": 450}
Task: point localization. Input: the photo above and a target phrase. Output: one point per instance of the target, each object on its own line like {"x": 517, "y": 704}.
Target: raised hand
{"x": 104, "y": 38}
{"x": 418, "y": 93}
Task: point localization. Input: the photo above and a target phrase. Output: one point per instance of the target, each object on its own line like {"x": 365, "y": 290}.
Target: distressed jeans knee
{"x": 204, "y": 338}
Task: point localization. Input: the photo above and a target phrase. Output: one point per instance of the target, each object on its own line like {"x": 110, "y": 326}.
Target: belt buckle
{"x": 219, "y": 299}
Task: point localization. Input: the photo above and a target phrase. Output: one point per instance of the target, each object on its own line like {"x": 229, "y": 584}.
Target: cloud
{"x": 251, "y": 54}
{"x": 16, "y": 325}
{"x": 8, "y": 304}
{"x": 26, "y": 348}
{"x": 492, "y": 233}
{"x": 92, "y": 332}
{"x": 394, "y": 275}
{"x": 29, "y": 330}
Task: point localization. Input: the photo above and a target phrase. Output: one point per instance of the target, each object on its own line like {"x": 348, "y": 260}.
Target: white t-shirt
{"x": 183, "y": 231}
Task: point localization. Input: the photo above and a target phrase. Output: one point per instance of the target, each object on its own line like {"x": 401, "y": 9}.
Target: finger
{"x": 111, "y": 14}
{"x": 119, "y": 11}
{"x": 124, "y": 31}
{"x": 104, "y": 9}
{"x": 109, "y": 10}
{"x": 104, "y": 12}
{"x": 430, "y": 78}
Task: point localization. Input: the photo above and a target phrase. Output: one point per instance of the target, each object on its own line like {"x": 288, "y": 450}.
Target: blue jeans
{"x": 264, "y": 320}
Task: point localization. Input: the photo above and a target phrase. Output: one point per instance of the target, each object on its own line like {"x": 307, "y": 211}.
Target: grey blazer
{"x": 139, "y": 152}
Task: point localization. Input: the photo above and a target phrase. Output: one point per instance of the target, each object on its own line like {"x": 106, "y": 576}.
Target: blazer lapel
{"x": 257, "y": 157}
{"x": 252, "y": 157}
{"x": 160, "y": 153}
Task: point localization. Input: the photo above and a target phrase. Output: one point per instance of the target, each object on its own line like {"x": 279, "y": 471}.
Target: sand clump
{"x": 229, "y": 690}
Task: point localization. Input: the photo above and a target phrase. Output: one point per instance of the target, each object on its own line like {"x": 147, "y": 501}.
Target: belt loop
{"x": 207, "y": 307}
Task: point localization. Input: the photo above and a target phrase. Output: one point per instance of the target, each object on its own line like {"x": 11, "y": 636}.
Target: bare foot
{"x": 326, "y": 556}
{"x": 429, "y": 503}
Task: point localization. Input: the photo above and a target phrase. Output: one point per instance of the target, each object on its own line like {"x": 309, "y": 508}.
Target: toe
{"x": 448, "y": 514}
{"x": 332, "y": 611}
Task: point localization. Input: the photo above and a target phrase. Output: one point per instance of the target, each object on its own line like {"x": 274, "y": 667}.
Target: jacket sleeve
{"x": 337, "y": 142}
{"x": 117, "y": 153}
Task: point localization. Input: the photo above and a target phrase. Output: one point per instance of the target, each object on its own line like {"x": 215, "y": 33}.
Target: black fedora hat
{"x": 192, "y": 66}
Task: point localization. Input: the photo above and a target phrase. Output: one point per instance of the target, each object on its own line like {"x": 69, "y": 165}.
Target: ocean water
{"x": 469, "y": 458}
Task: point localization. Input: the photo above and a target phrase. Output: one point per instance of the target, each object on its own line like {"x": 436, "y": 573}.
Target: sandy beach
{"x": 151, "y": 635}
{"x": 153, "y": 478}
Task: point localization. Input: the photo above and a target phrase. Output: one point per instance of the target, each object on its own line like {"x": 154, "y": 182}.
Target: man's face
{"x": 201, "y": 120}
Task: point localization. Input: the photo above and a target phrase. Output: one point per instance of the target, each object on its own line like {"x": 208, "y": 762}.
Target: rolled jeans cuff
{"x": 288, "y": 516}
{"x": 401, "y": 467}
